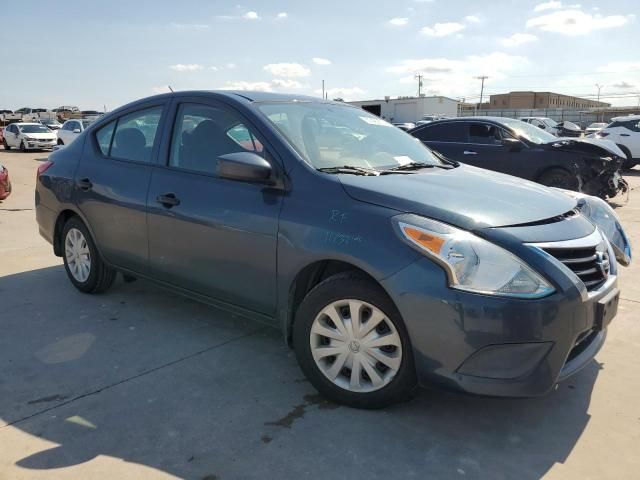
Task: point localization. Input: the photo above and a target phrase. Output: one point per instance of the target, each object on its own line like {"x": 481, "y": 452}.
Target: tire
{"x": 5, "y": 144}
{"x": 23, "y": 147}
{"x": 396, "y": 383}
{"x": 99, "y": 277}
{"x": 559, "y": 178}
{"x": 60, "y": 142}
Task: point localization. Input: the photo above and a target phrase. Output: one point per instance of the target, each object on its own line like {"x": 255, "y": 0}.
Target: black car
{"x": 517, "y": 148}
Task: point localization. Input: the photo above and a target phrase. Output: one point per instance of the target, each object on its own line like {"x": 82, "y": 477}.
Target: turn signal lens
{"x": 43, "y": 167}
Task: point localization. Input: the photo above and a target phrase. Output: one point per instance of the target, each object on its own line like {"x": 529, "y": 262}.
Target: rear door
{"x": 112, "y": 182}
{"x": 210, "y": 235}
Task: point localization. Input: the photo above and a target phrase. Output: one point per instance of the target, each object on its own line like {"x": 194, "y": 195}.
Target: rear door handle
{"x": 470, "y": 152}
{"x": 624, "y": 134}
{"x": 168, "y": 200}
{"x": 85, "y": 184}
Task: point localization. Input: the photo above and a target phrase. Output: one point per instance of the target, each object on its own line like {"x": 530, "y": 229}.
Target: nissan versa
{"x": 386, "y": 265}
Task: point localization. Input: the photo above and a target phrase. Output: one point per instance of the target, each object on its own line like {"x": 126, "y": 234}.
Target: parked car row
{"x": 387, "y": 265}
{"x": 60, "y": 114}
{"x": 41, "y": 135}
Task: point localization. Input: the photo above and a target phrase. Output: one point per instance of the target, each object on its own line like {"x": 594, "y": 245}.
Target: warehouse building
{"x": 409, "y": 109}
{"x": 529, "y": 99}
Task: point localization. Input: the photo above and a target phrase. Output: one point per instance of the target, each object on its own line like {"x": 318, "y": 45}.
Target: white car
{"x": 594, "y": 128}
{"x": 625, "y": 132}
{"x": 28, "y": 136}
{"x": 70, "y": 130}
{"x": 545, "y": 123}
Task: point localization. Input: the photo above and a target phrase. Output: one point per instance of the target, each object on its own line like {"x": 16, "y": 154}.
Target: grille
{"x": 590, "y": 264}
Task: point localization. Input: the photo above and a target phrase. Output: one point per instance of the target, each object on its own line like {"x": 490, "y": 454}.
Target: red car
{"x": 5, "y": 184}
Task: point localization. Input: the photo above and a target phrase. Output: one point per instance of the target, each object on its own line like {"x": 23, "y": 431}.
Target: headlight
{"x": 28, "y": 139}
{"x": 603, "y": 216}
{"x": 472, "y": 263}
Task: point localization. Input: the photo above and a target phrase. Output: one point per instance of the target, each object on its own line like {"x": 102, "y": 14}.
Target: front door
{"x": 111, "y": 186}
{"x": 210, "y": 235}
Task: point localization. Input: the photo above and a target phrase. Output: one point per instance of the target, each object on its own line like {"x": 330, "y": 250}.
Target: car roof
{"x": 626, "y": 117}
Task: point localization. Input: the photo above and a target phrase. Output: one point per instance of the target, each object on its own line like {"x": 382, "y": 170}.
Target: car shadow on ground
{"x": 148, "y": 377}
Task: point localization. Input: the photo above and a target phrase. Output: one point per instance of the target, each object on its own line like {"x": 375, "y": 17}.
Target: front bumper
{"x": 39, "y": 145}
{"x": 495, "y": 345}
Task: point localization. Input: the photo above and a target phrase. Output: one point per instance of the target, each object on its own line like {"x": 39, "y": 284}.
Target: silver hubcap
{"x": 78, "y": 256}
{"x": 355, "y": 345}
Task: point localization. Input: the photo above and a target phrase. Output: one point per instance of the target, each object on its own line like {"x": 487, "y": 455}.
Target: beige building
{"x": 532, "y": 100}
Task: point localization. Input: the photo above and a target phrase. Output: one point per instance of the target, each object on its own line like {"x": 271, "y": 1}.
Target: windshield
{"x": 549, "y": 122}
{"x": 528, "y": 131}
{"x": 34, "y": 129}
{"x": 597, "y": 125}
{"x": 329, "y": 135}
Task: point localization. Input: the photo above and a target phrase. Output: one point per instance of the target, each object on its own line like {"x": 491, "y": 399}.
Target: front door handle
{"x": 624, "y": 134}
{"x": 470, "y": 152}
{"x": 168, "y": 200}
{"x": 85, "y": 184}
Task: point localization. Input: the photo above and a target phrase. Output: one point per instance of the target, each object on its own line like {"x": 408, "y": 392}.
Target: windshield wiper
{"x": 352, "y": 169}
{"x": 417, "y": 166}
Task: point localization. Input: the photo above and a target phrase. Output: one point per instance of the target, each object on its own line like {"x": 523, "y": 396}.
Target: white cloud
{"x": 346, "y": 93}
{"x": 321, "y": 61}
{"x": 214, "y": 68}
{"x": 553, "y": 5}
{"x": 251, "y": 15}
{"x": 576, "y": 22}
{"x": 189, "y": 67}
{"x": 282, "y": 15}
{"x": 231, "y": 66}
{"x": 287, "y": 69}
{"x": 619, "y": 67}
{"x": 398, "y": 21}
{"x": 442, "y": 29}
{"x": 472, "y": 19}
{"x": 518, "y": 39}
{"x": 242, "y": 85}
{"x": 286, "y": 83}
{"x": 447, "y": 76}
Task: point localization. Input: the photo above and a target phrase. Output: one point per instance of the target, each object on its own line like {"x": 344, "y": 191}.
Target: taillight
{"x": 43, "y": 167}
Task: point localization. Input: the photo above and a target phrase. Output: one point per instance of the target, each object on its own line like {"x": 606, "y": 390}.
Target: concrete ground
{"x": 141, "y": 383}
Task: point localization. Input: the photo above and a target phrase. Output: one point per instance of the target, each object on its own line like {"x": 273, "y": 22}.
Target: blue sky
{"x": 92, "y": 54}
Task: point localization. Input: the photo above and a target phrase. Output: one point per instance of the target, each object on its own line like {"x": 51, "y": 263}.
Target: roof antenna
{"x": 170, "y": 88}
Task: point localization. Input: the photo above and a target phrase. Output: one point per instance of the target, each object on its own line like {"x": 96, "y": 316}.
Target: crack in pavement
{"x": 629, "y": 300}
{"x": 134, "y": 377}
{"x": 17, "y": 209}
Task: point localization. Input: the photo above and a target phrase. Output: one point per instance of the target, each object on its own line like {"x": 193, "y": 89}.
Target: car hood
{"x": 41, "y": 136}
{"x": 598, "y": 146}
{"x": 465, "y": 196}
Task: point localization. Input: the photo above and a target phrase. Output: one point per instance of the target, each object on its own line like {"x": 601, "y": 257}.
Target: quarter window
{"x": 202, "y": 133}
{"x": 104, "y": 136}
{"x": 135, "y": 135}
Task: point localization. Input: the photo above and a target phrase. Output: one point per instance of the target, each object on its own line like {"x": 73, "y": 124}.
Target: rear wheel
{"x": 352, "y": 345}
{"x": 559, "y": 178}
{"x": 5, "y": 144}
{"x": 83, "y": 264}
{"x": 628, "y": 163}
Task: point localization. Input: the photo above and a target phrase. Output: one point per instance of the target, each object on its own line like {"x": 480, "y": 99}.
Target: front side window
{"x": 484, "y": 133}
{"x": 202, "y": 133}
{"x": 329, "y": 135}
{"x": 135, "y": 135}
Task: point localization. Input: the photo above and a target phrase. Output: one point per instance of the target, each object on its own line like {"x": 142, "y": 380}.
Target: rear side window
{"x": 104, "y": 136}
{"x": 443, "y": 132}
{"x": 135, "y": 134}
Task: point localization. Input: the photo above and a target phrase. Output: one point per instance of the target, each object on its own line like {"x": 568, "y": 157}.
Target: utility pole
{"x": 599, "y": 87}
{"x": 419, "y": 77}
{"x": 482, "y": 78}
{"x": 323, "y": 89}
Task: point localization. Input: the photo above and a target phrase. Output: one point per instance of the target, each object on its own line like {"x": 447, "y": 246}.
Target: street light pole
{"x": 482, "y": 78}
{"x": 419, "y": 77}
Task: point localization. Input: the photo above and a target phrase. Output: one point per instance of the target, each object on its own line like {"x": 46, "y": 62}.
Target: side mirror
{"x": 77, "y": 130}
{"x": 542, "y": 126}
{"x": 513, "y": 144}
{"x": 244, "y": 167}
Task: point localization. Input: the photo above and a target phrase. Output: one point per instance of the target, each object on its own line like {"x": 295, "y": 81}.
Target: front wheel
{"x": 559, "y": 178}
{"x": 352, "y": 345}
{"x": 23, "y": 147}
{"x": 5, "y": 144}
{"x": 60, "y": 142}
{"x": 83, "y": 264}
